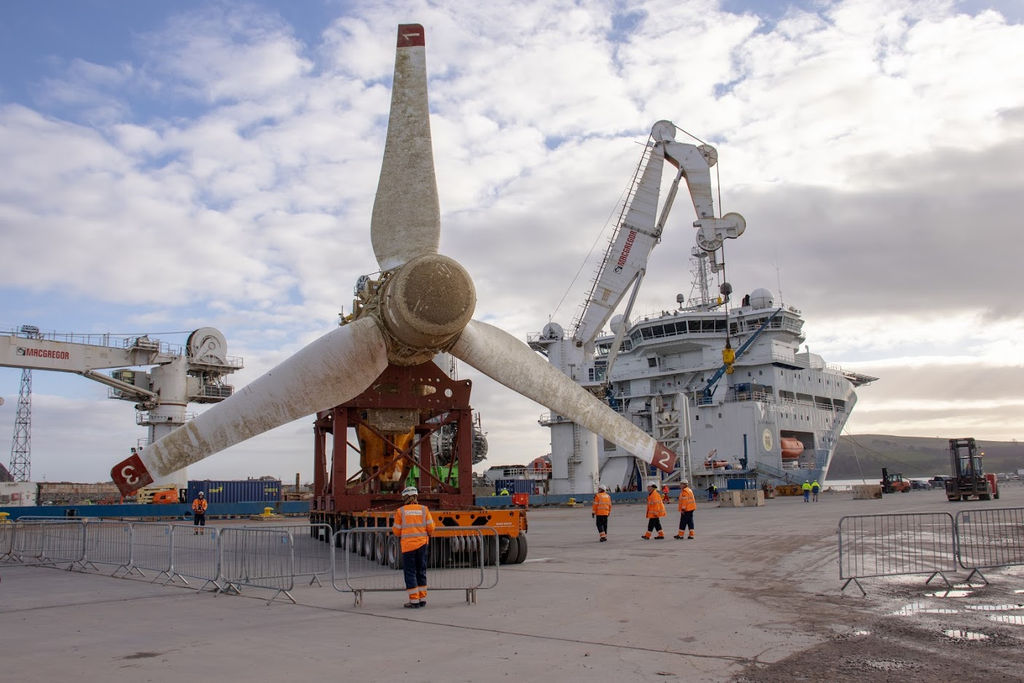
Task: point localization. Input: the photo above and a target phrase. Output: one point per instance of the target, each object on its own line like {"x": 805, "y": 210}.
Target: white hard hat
{"x": 409, "y": 491}
{"x": 602, "y": 487}
{"x": 201, "y": 493}
{"x": 684, "y": 483}
{"x": 654, "y": 484}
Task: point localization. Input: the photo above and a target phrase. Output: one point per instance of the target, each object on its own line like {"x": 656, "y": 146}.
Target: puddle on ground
{"x": 948, "y": 594}
{"x": 959, "y": 634}
{"x": 994, "y": 608}
{"x": 1009, "y": 619}
{"x": 922, "y": 608}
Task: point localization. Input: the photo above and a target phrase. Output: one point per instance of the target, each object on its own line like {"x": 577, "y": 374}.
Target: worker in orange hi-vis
{"x": 601, "y": 510}
{"x": 687, "y": 505}
{"x": 655, "y": 511}
{"x": 199, "y": 513}
{"x": 413, "y": 526}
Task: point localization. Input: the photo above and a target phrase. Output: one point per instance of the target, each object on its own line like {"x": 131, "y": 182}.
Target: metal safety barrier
{"x": 311, "y": 547}
{"x": 369, "y": 559}
{"x": 151, "y": 549}
{"x": 108, "y": 543}
{"x": 989, "y": 538}
{"x": 891, "y": 545}
{"x": 49, "y": 542}
{"x": 195, "y": 554}
{"x": 261, "y": 558}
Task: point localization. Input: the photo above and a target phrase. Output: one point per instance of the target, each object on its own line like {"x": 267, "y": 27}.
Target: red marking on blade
{"x": 130, "y": 475}
{"x": 664, "y": 459}
{"x": 411, "y": 35}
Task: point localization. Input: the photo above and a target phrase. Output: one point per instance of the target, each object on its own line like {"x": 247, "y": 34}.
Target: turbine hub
{"x": 427, "y": 303}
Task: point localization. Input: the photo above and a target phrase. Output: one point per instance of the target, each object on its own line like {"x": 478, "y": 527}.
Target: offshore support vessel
{"x": 723, "y": 385}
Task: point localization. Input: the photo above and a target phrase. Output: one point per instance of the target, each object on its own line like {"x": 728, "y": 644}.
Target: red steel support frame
{"x": 438, "y": 400}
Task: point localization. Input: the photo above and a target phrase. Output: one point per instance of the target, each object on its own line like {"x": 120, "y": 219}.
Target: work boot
{"x": 659, "y": 537}
{"x": 679, "y": 537}
{"x": 691, "y": 535}
{"x": 646, "y": 537}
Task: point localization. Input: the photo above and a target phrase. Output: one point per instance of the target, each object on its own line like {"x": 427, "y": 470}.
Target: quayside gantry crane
{"x": 575, "y": 466}
{"x": 179, "y": 376}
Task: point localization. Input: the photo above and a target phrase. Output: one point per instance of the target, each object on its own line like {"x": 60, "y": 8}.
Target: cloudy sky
{"x": 168, "y": 166}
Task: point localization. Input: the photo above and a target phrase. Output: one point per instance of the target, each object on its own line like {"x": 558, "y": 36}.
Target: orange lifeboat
{"x": 791, "y": 448}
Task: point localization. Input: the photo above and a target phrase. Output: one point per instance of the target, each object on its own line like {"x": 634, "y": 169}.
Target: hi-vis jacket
{"x": 602, "y": 504}
{"x": 686, "y": 500}
{"x": 413, "y": 525}
{"x": 655, "y": 504}
{"x": 199, "y": 506}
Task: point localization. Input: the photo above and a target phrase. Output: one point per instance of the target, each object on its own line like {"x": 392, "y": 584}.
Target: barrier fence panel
{"x": 151, "y": 549}
{"x": 6, "y": 541}
{"x": 262, "y": 558}
{"x": 369, "y": 559}
{"x": 989, "y": 538}
{"x": 49, "y": 542}
{"x": 195, "y": 554}
{"x": 108, "y": 542}
{"x": 889, "y": 545}
{"x": 311, "y": 547}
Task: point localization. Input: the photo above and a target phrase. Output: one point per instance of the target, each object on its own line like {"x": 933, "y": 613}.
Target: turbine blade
{"x": 331, "y": 370}
{"x": 505, "y": 359}
{"x": 406, "y": 219}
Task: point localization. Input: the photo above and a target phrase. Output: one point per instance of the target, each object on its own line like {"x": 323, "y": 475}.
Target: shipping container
{"x": 235, "y": 491}
{"x": 740, "y": 484}
{"x": 514, "y": 486}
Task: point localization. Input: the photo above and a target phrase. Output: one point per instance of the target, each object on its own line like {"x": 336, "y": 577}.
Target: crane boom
{"x": 640, "y": 226}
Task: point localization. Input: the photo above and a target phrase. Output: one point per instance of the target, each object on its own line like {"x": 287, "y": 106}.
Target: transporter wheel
{"x": 521, "y": 557}
{"x": 490, "y": 549}
{"x": 510, "y": 551}
{"x": 394, "y": 553}
{"x": 380, "y": 547}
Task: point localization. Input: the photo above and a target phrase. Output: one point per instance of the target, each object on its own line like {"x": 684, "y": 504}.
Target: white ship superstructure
{"x": 722, "y": 383}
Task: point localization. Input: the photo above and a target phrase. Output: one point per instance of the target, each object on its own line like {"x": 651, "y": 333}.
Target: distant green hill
{"x": 864, "y": 455}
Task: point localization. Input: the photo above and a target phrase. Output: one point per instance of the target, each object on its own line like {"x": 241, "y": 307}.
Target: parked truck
{"x": 968, "y": 475}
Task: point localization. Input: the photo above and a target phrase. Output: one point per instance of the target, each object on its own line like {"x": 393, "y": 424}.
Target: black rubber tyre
{"x": 394, "y": 553}
{"x": 521, "y": 556}
{"x": 511, "y": 553}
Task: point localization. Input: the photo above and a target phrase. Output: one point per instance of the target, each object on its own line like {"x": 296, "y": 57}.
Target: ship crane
{"x": 575, "y": 467}
{"x": 194, "y": 374}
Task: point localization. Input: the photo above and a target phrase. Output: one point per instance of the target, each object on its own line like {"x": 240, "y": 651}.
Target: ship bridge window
{"x": 823, "y": 403}
{"x": 694, "y": 325}
{"x": 646, "y": 332}
{"x": 636, "y": 337}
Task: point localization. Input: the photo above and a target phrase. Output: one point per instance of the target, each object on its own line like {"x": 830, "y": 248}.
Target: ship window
{"x": 652, "y": 362}
{"x": 720, "y": 325}
{"x": 681, "y": 327}
{"x": 694, "y": 325}
{"x": 707, "y": 325}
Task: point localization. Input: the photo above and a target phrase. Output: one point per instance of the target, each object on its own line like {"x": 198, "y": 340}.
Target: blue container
{"x": 740, "y": 484}
{"x": 235, "y": 491}
{"x": 513, "y": 486}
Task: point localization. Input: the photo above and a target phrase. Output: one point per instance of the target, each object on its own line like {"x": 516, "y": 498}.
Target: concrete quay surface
{"x": 755, "y": 597}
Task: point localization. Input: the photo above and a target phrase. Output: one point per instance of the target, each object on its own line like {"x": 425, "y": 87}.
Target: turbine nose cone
{"x": 428, "y": 301}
